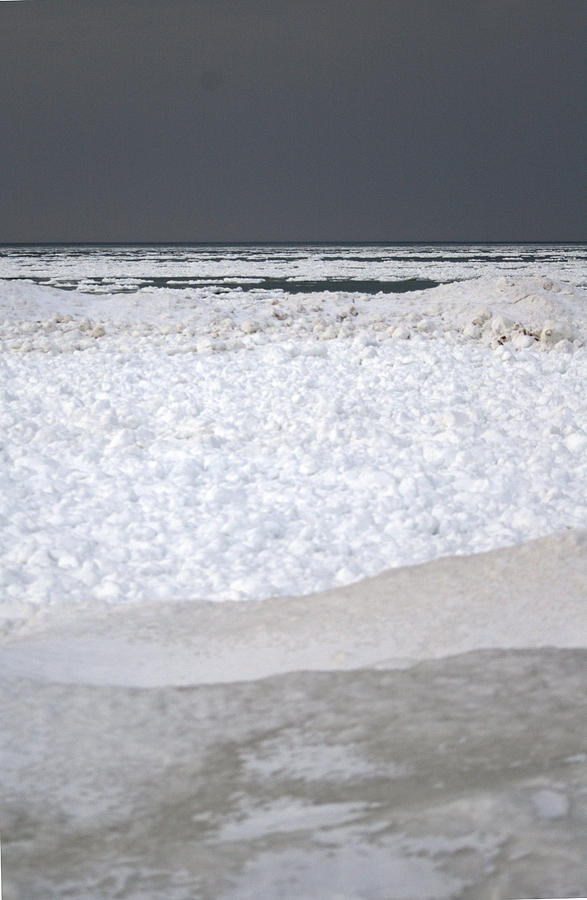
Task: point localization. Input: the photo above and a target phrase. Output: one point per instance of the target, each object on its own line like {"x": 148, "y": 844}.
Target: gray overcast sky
{"x": 194, "y": 120}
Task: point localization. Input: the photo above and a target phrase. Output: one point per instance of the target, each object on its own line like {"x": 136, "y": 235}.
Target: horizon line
{"x": 275, "y": 243}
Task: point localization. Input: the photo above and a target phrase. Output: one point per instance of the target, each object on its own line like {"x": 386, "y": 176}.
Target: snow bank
{"x": 151, "y": 468}
{"x": 278, "y": 469}
{"x": 517, "y": 312}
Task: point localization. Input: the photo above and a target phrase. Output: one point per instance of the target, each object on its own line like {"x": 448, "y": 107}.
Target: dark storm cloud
{"x": 279, "y": 120}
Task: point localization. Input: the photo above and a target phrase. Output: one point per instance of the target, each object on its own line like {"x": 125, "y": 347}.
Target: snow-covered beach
{"x": 168, "y": 448}
{"x": 172, "y": 445}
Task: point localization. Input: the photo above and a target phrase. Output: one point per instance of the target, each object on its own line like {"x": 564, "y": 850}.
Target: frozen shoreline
{"x": 518, "y": 312}
{"x": 150, "y": 465}
{"x": 415, "y": 734}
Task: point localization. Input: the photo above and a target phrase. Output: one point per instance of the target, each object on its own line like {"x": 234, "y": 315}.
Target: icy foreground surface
{"x": 140, "y": 465}
{"x": 458, "y": 778}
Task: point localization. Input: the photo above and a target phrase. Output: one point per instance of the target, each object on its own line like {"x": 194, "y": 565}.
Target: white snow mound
{"x": 519, "y": 312}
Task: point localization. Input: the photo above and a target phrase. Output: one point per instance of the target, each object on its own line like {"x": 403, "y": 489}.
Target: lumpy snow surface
{"x": 159, "y": 447}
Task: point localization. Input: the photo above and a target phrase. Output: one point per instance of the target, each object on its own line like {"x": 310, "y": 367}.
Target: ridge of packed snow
{"x": 519, "y": 312}
{"x": 530, "y": 595}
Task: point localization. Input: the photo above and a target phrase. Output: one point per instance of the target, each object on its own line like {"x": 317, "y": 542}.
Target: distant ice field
{"x": 285, "y": 268}
{"x": 178, "y": 445}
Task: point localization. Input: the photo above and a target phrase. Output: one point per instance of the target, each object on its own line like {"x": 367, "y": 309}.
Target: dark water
{"x": 364, "y": 286}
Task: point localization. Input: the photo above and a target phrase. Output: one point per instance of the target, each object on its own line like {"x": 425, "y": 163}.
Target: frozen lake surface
{"x": 184, "y": 426}
{"x": 457, "y": 779}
